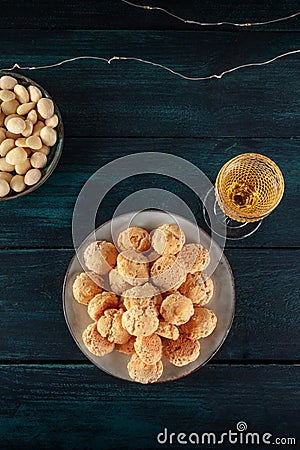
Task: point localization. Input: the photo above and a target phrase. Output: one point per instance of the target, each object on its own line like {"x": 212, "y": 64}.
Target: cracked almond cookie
{"x": 144, "y": 373}
{"x": 201, "y": 324}
{"x": 145, "y": 295}
{"x": 86, "y": 286}
{"x": 110, "y": 326}
{"x": 95, "y": 343}
{"x": 149, "y": 348}
{"x": 168, "y": 239}
{"x": 182, "y": 351}
{"x": 100, "y": 303}
{"x": 167, "y": 273}
{"x": 133, "y": 266}
{"x": 140, "y": 320}
{"x": 134, "y": 238}
{"x": 100, "y": 257}
{"x": 176, "y": 309}
{"x": 194, "y": 257}
{"x": 198, "y": 287}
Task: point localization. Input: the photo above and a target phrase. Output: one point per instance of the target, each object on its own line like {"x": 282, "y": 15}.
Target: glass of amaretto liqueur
{"x": 247, "y": 189}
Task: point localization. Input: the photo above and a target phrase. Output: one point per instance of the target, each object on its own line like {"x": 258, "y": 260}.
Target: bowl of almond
{"x": 31, "y": 135}
{"x": 149, "y": 297}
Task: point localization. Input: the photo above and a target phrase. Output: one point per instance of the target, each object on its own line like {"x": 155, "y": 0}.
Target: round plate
{"x": 222, "y": 303}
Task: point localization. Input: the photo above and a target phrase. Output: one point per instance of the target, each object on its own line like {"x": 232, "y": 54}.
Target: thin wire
{"x": 144, "y": 61}
{"x": 208, "y": 24}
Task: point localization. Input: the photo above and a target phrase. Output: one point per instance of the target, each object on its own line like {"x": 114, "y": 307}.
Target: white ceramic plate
{"x": 222, "y": 303}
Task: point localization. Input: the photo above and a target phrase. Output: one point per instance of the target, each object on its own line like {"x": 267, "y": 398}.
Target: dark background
{"x": 51, "y": 395}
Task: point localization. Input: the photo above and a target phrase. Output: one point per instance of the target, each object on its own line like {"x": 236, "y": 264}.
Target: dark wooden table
{"x": 51, "y": 395}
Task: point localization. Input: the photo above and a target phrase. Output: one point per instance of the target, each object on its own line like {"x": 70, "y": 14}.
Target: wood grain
{"x": 265, "y": 324}
{"x": 48, "y": 211}
{"x": 132, "y": 99}
{"x": 79, "y": 407}
{"x": 107, "y": 14}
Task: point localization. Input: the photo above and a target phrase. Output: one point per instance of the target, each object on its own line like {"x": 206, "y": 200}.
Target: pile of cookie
{"x": 146, "y": 299}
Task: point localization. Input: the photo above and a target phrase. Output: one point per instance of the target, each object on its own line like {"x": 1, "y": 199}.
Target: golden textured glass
{"x": 249, "y": 187}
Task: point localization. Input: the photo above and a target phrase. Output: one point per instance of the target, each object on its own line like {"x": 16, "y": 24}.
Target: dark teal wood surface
{"x": 113, "y": 14}
{"x": 75, "y": 407}
{"x": 133, "y": 99}
{"x": 51, "y": 396}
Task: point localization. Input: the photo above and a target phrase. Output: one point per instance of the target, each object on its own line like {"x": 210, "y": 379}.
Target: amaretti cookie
{"x": 198, "y": 287}
{"x": 100, "y": 303}
{"x": 176, "y": 309}
{"x": 128, "y": 347}
{"x": 110, "y": 326}
{"x": 95, "y": 343}
{"x": 140, "y": 320}
{"x": 117, "y": 282}
{"x": 134, "y": 238}
{"x": 145, "y": 295}
{"x": 86, "y": 286}
{"x": 194, "y": 257}
{"x": 100, "y": 257}
{"x": 167, "y": 330}
{"x": 168, "y": 239}
{"x": 144, "y": 373}
{"x": 133, "y": 266}
{"x": 149, "y": 348}
{"x": 182, "y": 351}
{"x": 201, "y": 324}
{"x": 167, "y": 273}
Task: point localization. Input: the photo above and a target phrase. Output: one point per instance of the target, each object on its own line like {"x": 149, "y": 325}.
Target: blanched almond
{"x": 2, "y": 117}
{"x": 45, "y": 108}
{"x": 6, "y": 145}
{"x": 32, "y": 116}
{"x": 2, "y": 135}
{"x": 28, "y": 129}
{"x": 25, "y": 108}
{"x": 17, "y": 183}
{"x": 20, "y": 142}
{"x": 34, "y": 142}
{"x": 38, "y": 160}
{"x": 6, "y": 95}
{"x": 21, "y": 93}
{"x": 48, "y": 136}
{"x": 32, "y": 177}
{"x": 37, "y": 128}
{"x": 16, "y": 156}
{"x": 5, "y": 166}
{"x": 23, "y": 167}
{"x": 6, "y": 176}
{"x": 7, "y": 118}
{"x": 35, "y": 93}
{"x": 44, "y": 149}
{"x": 16, "y": 125}
{"x": 7, "y": 82}
{"x": 4, "y": 188}
{"x": 52, "y": 122}
{"x": 10, "y": 107}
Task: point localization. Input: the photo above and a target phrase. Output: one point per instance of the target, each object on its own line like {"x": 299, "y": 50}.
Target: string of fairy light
{"x": 167, "y": 68}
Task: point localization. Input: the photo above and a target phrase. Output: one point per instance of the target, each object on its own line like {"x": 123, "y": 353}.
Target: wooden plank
{"x": 116, "y": 15}
{"x": 76, "y": 407}
{"x": 265, "y": 324}
{"x": 127, "y": 98}
{"x": 48, "y": 211}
